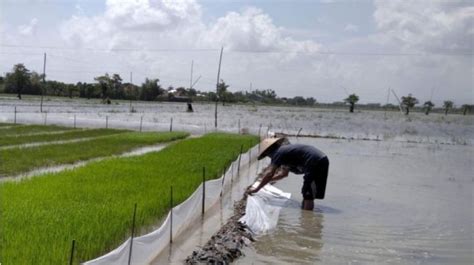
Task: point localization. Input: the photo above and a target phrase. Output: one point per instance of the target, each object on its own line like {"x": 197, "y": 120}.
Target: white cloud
{"x": 253, "y": 30}
{"x": 432, "y": 26}
{"x": 29, "y": 29}
{"x": 351, "y": 28}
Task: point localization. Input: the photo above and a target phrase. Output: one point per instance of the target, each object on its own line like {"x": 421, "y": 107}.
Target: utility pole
{"x": 399, "y": 102}
{"x": 191, "y": 79}
{"x": 217, "y": 87}
{"x": 131, "y": 90}
{"x": 388, "y": 98}
{"x": 44, "y": 82}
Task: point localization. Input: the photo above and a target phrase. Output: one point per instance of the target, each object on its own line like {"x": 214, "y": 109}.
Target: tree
{"x": 310, "y": 101}
{"x": 428, "y": 105}
{"x": 116, "y": 86}
{"x": 18, "y": 80}
{"x": 447, "y": 105}
{"x": 222, "y": 92}
{"x": 352, "y": 100}
{"x": 104, "y": 83}
{"x": 35, "y": 84}
{"x": 151, "y": 89}
{"x": 409, "y": 102}
{"x": 466, "y": 108}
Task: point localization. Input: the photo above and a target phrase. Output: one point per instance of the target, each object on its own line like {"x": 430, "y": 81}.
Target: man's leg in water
{"x": 309, "y": 192}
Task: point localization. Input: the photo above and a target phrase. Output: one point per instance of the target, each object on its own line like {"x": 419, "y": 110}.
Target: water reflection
{"x": 298, "y": 239}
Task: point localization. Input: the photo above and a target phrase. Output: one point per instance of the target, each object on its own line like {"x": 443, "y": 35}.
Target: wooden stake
{"x": 71, "y": 257}
{"x": 133, "y": 234}
{"x": 203, "y": 190}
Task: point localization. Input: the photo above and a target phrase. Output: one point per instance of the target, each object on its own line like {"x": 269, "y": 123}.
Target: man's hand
{"x": 250, "y": 191}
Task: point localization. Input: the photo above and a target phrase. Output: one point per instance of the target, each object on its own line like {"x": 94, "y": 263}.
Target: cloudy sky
{"x": 324, "y": 49}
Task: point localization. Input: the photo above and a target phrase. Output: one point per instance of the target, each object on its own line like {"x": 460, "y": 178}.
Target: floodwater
{"x": 152, "y": 116}
{"x": 386, "y": 203}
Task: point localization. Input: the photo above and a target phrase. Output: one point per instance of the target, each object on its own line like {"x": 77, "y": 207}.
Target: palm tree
{"x": 352, "y": 100}
{"x": 447, "y": 105}
{"x": 428, "y": 106}
{"x": 409, "y": 102}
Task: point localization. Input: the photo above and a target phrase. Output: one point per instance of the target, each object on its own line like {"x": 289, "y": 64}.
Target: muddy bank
{"x": 226, "y": 245}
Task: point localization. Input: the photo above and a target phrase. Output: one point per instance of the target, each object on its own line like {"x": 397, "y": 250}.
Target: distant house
{"x": 173, "y": 98}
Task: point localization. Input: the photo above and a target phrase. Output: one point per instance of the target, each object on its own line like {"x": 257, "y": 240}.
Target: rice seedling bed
{"x": 30, "y": 129}
{"x": 7, "y": 124}
{"x": 93, "y": 204}
{"x": 20, "y": 160}
{"x": 68, "y": 135}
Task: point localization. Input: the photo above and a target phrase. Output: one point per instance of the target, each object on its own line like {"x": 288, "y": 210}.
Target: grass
{"x": 93, "y": 204}
{"x": 19, "y": 160}
{"x": 68, "y": 135}
{"x": 7, "y": 124}
{"x": 30, "y": 129}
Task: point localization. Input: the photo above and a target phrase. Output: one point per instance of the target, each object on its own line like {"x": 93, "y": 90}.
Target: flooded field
{"x": 386, "y": 203}
{"x": 391, "y": 125}
{"x": 400, "y": 194}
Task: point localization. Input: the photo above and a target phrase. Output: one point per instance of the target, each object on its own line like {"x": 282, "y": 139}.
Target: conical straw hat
{"x": 266, "y": 144}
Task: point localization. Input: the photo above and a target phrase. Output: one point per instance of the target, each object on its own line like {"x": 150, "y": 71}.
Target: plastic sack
{"x": 263, "y": 208}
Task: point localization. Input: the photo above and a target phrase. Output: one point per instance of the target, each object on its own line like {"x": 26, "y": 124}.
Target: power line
{"x": 173, "y": 50}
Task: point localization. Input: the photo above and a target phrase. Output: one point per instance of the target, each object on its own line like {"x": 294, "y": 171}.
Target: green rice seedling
{"x": 67, "y": 135}
{"x": 93, "y": 204}
{"x": 19, "y": 160}
{"x": 7, "y": 124}
{"x": 30, "y": 129}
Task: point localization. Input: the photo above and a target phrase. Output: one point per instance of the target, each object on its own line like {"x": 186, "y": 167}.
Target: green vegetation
{"x": 352, "y": 100}
{"x": 30, "y": 129}
{"x": 7, "y": 124}
{"x": 447, "y": 105}
{"x": 20, "y": 160}
{"x": 409, "y": 102}
{"x": 69, "y": 135}
{"x": 93, "y": 204}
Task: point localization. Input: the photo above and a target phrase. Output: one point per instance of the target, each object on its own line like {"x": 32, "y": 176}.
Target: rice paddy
{"x": 9, "y": 130}
{"x": 20, "y": 160}
{"x": 63, "y": 136}
{"x": 93, "y": 204}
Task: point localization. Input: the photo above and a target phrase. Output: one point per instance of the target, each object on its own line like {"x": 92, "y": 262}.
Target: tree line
{"x": 107, "y": 87}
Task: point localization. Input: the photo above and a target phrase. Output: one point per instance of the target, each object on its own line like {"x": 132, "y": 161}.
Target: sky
{"x": 325, "y": 49}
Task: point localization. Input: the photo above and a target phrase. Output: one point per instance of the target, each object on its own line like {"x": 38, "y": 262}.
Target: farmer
{"x": 299, "y": 159}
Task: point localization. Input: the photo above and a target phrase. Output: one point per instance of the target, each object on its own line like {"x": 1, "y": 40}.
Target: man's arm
{"x": 267, "y": 177}
{"x": 281, "y": 172}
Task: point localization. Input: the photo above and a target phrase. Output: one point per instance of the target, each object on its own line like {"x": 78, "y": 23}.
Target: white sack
{"x": 263, "y": 208}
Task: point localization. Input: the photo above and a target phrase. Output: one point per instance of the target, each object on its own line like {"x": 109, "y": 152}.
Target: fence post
{"x": 171, "y": 124}
{"x": 141, "y": 123}
{"x": 133, "y": 234}
{"x": 298, "y": 134}
{"x": 240, "y": 157}
{"x": 203, "y": 190}
{"x": 223, "y": 179}
{"x": 250, "y": 157}
{"x": 238, "y": 132}
{"x": 106, "y": 122}
{"x": 171, "y": 214}
{"x": 14, "y": 116}
{"x": 45, "y": 117}
{"x": 71, "y": 257}
{"x": 74, "y": 121}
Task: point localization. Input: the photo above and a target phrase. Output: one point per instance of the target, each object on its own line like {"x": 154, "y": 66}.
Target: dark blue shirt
{"x": 297, "y": 157}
